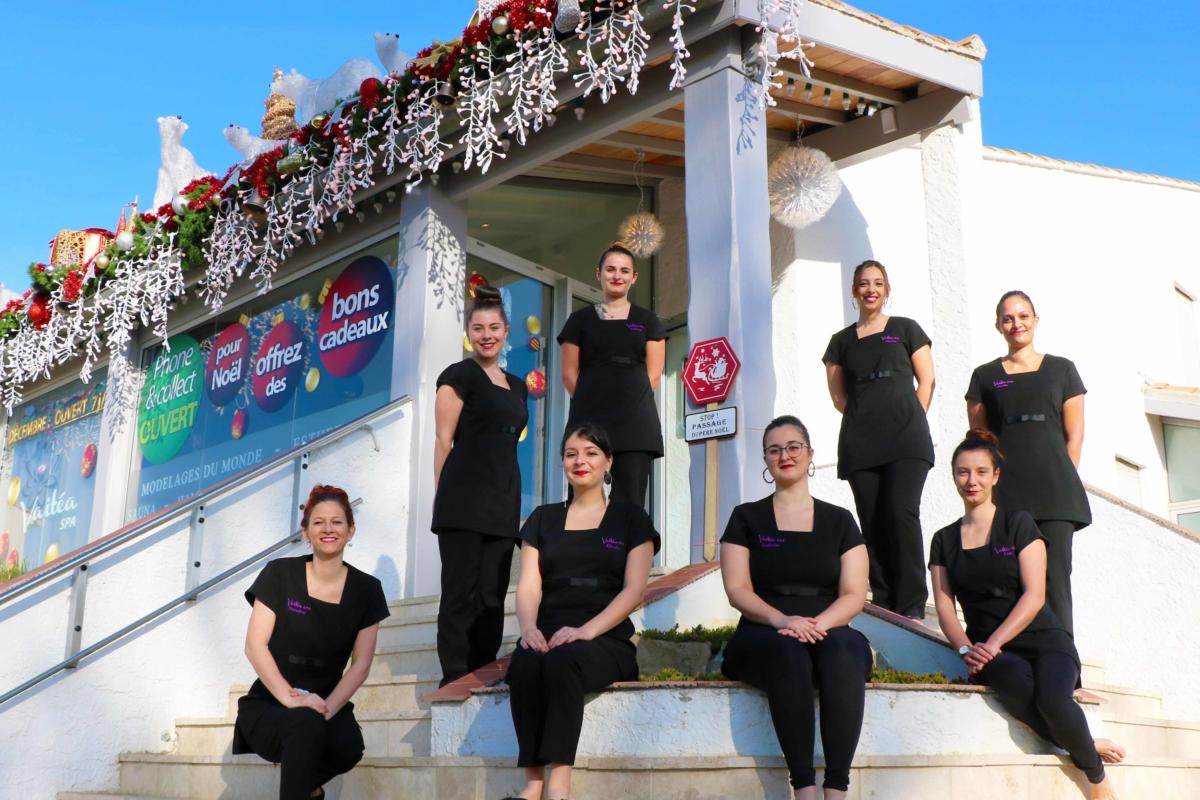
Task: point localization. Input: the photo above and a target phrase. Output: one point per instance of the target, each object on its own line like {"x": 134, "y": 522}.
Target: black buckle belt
{"x": 512, "y": 430}
{"x": 580, "y": 583}
{"x": 306, "y": 661}
{"x": 792, "y": 590}
{"x": 620, "y": 361}
{"x": 1018, "y": 418}
{"x": 874, "y": 376}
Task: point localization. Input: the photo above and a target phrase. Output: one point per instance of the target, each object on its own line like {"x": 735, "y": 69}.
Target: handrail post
{"x": 195, "y": 551}
{"x": 300, "y": 465}
{"x": 75, "y": 609}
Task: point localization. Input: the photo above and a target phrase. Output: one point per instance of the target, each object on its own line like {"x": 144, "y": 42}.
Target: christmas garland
{"x": 260, "y": 211}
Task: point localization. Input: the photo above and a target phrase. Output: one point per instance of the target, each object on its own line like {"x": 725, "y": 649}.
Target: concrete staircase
{"x": 984, "y": 755}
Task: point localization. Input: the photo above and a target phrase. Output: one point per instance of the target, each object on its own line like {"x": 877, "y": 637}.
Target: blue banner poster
{"x": 50, "y": 474}
{"x": 524, "y": 304}
{"x": 229, "y": 396}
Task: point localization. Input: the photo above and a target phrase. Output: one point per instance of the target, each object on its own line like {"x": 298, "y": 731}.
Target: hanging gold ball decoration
{"x": 802, "y": 185}
{"x": 642, "y": 233}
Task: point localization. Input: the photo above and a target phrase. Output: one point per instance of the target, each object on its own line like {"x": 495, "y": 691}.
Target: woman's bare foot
{"x": 535, "y": 782}
{"x": 1110, "y": 752}
{"x": 1103, "y": 790}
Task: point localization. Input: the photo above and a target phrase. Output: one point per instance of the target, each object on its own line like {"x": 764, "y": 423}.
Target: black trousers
{"x": 547, "y": 689}
{"x": 1059, "y": 536}
{"x": 888, "y": 499}
{"x": 475, "y": 573}
{"x": 788, "y": 670}
{"x": 631, "y": 477}
{"x": 1040, "y": 692}
{"x": 309, "y": 749}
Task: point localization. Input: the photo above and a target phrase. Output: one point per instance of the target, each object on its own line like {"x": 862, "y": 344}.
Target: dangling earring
{"x": 812, "y": 469}
{"x": 608, "y": 478}
{"x": 766, "y": 471}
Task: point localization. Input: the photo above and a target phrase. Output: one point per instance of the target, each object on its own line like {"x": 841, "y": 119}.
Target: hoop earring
{"x": 812, "y": 469}
{"x": 766, "y": 471}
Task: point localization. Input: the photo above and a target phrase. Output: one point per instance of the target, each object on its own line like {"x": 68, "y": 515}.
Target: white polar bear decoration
{"x": 246, "y": 143}
{"x": 387, "y": 50}
{"x": 314, "y": 96}
{"x": 178, "y": 167}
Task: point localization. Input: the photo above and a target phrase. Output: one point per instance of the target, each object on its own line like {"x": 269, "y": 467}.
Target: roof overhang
{"x": 1164, "y": 400}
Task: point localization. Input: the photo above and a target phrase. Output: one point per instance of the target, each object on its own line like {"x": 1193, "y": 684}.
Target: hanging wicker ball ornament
{"x": 802, "y": 185}
{"x": 125, "y": 241}
{"x": 642, "y": 233}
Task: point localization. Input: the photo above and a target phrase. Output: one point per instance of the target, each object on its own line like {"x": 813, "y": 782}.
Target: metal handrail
{"x": 188, "y": 505}
{"x": 188, "y": 596}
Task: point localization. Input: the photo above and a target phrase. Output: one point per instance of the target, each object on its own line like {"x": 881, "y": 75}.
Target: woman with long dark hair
{"x": 479, "y": 414}
{"x": 310, "y": 615}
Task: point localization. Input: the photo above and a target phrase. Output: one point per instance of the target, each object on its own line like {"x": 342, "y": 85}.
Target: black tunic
{"x": 613, "y": 390}
{"x": 312, "y": 640}
{"x": 883, "y": 421}
{"x": 987, "y": 582}
{"x": 1025, "y": 411}
{"x": 796, "y": 572}
{"x": 582, "y": 571}
{"x": 480, "y": 486}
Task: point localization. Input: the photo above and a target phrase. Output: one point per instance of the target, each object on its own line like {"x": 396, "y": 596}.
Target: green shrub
{"x": 716, "y": 637}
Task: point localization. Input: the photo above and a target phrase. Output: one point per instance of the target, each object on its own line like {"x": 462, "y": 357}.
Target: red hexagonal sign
{"x": 710, "y": 371}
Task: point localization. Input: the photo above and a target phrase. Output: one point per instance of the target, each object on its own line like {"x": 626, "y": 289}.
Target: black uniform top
{"x": 796, "y": 572}
{"x": 312, "y": 640}
{"x": 613, "y": 389}
{"x": 987, "y": 582}
{"x": 480, "y": 486}
{"x": 582, "y": 571}
{"x": 883, "y": 421}
{"x": 1024, "y": 410}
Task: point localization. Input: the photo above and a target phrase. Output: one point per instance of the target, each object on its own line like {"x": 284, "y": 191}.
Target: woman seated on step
{"x": 796, "y": 567}
{"x": 584, "y": 566}
{"x": 310, "y": 615}
{"x": 994, "y": 562}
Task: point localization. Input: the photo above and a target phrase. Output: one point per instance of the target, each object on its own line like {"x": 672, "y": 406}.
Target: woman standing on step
{"x": 796, "y": 567}
{"x": 1034, "y": 403}
{"x": 993, "y": 560}
{"x": 310, "y": 615}
{"x": 612, "y": 360}
{"x": 884, "y": 449}
{"x": 479, "y": 414}
{"x": 584, "y": 566}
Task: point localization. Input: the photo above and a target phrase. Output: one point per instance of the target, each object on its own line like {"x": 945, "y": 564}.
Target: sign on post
{"x": 710, "y": 370}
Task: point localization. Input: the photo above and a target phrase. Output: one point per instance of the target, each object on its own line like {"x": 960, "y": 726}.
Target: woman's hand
{"x": 806, "y": 629}
{"x": 979, "y": 655}
{"x": 533, "y": 639}
{"x": 298, "y": 698}
{"x": 567, "y": 634}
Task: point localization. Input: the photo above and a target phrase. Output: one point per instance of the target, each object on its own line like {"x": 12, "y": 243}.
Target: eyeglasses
{"x": 793, "y": 450}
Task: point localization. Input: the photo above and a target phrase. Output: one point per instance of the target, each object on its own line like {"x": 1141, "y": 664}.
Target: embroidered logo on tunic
{"x": 636, "y": 326}
{"x": 612, "y": 544}
{"x": 766, "y": 541}
{"x": 1002, "y": 384}
{"x": 1004, "y": 550}
{"x": 296, "y": 607}
{"x": 888, "y": 339}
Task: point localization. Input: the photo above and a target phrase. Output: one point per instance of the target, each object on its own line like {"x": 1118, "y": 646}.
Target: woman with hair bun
{"x": 479, "y": 414}
{"x": 1033, "y": 402}
{"x": 993, "y": 561}
{"x": 884, "y": 448}
{"x": 310, "y": 614}
{"x": 612, "y": 360}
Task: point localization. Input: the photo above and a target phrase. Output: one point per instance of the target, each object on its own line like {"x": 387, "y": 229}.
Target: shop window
{"x": 265, "y": 377}
{"x": 49, "y": 475}
{"x": 1182, "y": 442}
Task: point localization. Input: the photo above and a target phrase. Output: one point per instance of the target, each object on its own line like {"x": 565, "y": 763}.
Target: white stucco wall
{"x": 66, "y": 733}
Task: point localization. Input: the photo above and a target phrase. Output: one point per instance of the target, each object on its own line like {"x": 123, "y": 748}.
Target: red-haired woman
{"x": 311, "y": 614}
{"x": 993, "y": 561}
{"x": 1033, "y": 402}
{"x": 884, "y": 449}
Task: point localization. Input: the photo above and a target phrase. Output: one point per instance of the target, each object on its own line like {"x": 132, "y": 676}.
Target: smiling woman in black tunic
{"x": 612, "y": 360}
{"x": 1034, "y": 405}
{"x": 310, "y": 614}
{"x": 884, "y": 449}
{"x": 479, "y": 414}
{"x": 584, "y": 567}
{"x": 796, "y": 567}
{"x": 993, "y": 560}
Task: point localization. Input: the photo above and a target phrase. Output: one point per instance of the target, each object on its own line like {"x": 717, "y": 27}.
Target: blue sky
{"x": 84, "y": 81}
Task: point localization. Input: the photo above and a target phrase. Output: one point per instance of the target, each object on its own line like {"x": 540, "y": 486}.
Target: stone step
{"x": 1156, "y": 738}
{"x": 422, "y": 629}
{"x": 681, "y": 778}
{"x": 1125, "y": 701}
{"x": 404, "y": 733}
{"x": 427, "y": 605}
{"x": 380, "y": 693}
{"x": 419, "y": 659}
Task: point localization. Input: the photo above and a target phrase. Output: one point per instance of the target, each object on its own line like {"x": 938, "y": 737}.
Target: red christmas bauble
{"x": 474, "y": 282}
{"x": 369, "y": 92}
{"x": 39, "y": 310}
{"x": 535, "y": 382}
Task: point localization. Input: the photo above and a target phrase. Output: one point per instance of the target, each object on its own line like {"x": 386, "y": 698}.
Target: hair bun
{"x": 983, "y": 435}
{"x": 486, "y": 295}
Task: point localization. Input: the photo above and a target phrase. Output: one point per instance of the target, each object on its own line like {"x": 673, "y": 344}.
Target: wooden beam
{"x": 912, "y": 118}
{"x": 651, "y": 144}
{"x": 826, "y": 116}
{"x": 615, "y": 165}
{"x": 841, "y": 83}
{"x": 671, "y": 116}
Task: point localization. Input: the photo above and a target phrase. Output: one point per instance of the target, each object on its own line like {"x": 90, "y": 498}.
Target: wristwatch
{"x": 962, "y": 651}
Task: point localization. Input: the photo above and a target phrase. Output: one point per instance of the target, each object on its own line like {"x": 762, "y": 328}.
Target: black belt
{"x": 619, "y": 361}
{"x": 1018, "y": 418}
{"x": 512, "y": 430}
{"x": 581, "y": 583}
{"x": 874, "y": 376}
{"x": 305, "y": 661}
{"x": 793, "y": 590}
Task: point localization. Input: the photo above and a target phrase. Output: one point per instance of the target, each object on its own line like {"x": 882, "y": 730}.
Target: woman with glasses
{"x": 796, "y": 568}
{"x": 884, "y": 449}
